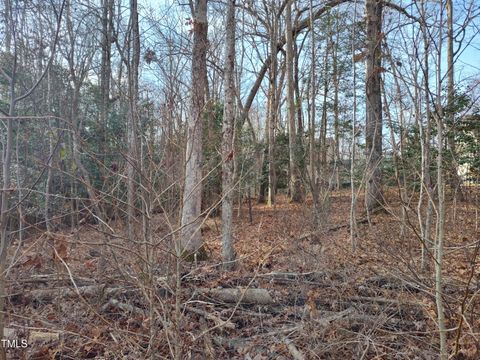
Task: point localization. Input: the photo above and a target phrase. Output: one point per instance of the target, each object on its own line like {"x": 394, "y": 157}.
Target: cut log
{"x": 37, "y": 337}
{"x": 243, "y": 296}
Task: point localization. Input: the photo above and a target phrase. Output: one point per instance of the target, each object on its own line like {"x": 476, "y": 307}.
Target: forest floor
{"x": 322, "y": 299}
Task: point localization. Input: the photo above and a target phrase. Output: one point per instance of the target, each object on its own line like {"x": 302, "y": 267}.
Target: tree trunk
{"x": 425, "y": 147}
{"x": 106, "y": 68}
{"x": 323, "y": 124}
{"x": 440, "y": 229}
{"x": 132, "y": 131}
{"x": 48, "y": 182}
{"x": 5, "y": 197}
{"x": 295, "y": 184}
{"x": 228, "y": 139}
{"x": 191, "y": 238}
{"x": 353, "y": 202}
{"x": 454, "y": 179}
{"x": 373, "y": 130}
{"x": 336, "y": 113}
{"x": 272, "y": 112}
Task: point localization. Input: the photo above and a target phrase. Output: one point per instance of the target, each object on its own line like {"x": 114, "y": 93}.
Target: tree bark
{"x": 132, "y": 159}
{"x": 454, "y": 178}
{"x": 191, "y": 238}
{"x": 228, "y": 139}
{"x": 440, "y": 229}
{"x": 272, "y": 110}
{"x": 106, "y": 67}
{"x": 294, "y": 184}
{"x": 373, "y": 128}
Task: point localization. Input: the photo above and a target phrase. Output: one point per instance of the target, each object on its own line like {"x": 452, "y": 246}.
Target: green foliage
{"x": 468, "y": 139}
{"x": 464, "y": 131}
{"x": 281, "y": 160}
{"x": 212, "y": 154}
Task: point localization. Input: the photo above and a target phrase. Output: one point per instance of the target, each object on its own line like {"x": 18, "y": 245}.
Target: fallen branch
{"x": 240, "y": 342}
{"x": 382, "y": 300}
{"x": 218, "y": 321}
{"x": 289, "y": 277}
{"x": 123, "y": 306}
{"x": 297, "y": 355}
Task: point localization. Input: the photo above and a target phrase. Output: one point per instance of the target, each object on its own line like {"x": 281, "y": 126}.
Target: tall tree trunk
{"x": 48, "y": 182}
{"x": 133, "y": 63}
{"x": 336, "y": 112}
{"x": 191, "y": 238}
{"x": 323, "y": 123}
{"x": 373, "y": 130}
{"x": 425, "y": 148}
{"x": 294, "y": 184}
{"x": 228, "y": 139}
{"x": 454, "y": 178}
{"x": 298, "y": 96}
{"x": 440, "y": 239}
{"x": 353, "y": 202}
{"x": 272, "y": 110}
{"x": 313, "y": 176}
{"x": 106, "y": 68}
{"x": 440, "y": 229}
{"x": 4, "y": 207}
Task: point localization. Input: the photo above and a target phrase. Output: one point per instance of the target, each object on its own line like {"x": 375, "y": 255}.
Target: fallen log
{"x": 242, "y": 296}
{"x": 331, "y": 229}
{"x": 48, "y": 295}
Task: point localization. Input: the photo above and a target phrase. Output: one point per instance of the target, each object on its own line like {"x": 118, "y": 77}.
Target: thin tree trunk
{"x": 425, "y": 151}
{"x": 336, "y": 113}
{"x": 323, "y": 123}
{"x": 455, "y": 179}
{"x": 228, "y": 140}
{"x": 441, "y": 205}
{"x": 272, "y": 113}
{"x": 132, "y": 162}
{"x": 294, "y": 184}
{"x": 353, "y": 203}
{"x": 314, "y": 181}
{"x": 105, "y": 69}
{"x": 48, "y": 183}
{"x": 4, "y": 209}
